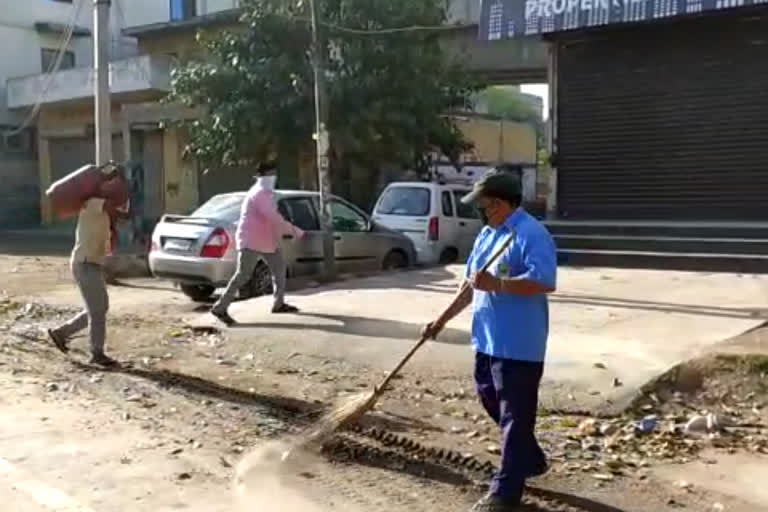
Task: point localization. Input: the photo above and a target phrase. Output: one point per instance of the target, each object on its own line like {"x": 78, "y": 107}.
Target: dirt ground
{"x": 191, "y": 402}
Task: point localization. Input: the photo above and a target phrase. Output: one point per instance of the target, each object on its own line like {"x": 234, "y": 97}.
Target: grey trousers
{"x": 90, "y": 279}
{"x": 247, "y": 260}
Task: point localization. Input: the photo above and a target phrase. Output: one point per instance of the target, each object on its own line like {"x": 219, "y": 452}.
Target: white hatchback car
{"x": 431, "y": 214}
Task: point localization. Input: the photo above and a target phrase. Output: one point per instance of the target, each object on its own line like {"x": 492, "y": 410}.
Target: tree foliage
{"x": 387, "y": 91}
{"x": 510, "y": 104}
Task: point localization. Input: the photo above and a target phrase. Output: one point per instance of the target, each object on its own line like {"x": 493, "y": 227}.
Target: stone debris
{"x": 493, "y": 449}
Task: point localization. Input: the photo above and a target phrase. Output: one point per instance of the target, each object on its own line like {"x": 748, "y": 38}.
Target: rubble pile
{"x": 725, "y": 410}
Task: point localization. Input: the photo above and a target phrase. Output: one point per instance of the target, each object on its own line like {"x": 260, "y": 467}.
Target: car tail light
{"x": 434, "y": 229}
{"x": 154, "y": 247}
{"x": 217, "y": 244}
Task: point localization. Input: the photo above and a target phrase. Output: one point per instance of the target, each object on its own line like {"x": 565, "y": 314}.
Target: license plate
{"x": 178, "y": 245}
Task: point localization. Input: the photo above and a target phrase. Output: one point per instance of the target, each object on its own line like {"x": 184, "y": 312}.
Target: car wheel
{"x": 260, "y": 284}
{"x": 449, "y": 256}
{"x": 395, "y": 260}
{"x": 197, "y": 292}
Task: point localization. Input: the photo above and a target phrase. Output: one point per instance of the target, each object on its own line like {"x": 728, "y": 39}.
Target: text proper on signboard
{"x": 547, "y": 8}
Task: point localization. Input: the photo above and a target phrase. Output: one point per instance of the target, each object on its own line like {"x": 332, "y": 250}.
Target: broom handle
{"x": 391, "y": 375}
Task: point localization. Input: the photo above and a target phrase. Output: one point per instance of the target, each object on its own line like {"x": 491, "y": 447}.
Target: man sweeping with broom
{"x": 509, "y": 328}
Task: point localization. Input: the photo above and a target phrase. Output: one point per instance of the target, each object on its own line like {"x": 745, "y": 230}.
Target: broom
{"x": 355, "y": 407}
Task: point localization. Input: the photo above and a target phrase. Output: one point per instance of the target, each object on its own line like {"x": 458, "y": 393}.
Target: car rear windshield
{"x": 409, "y": 201}
{"x": 225, "y": 207}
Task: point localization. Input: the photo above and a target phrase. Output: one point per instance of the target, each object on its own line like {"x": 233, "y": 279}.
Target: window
{"x": 407, "y": 201}
{"x": 300, "y": 212}
{"x": 183, "y": 9}
{"x": 48, "y": 59}
{"x": 346, "y": 219}
{"x": 447, "y": 204}
{"x": 224, "y": 206}
{"x": 18, "y": 143}
{"x": 466, "y": 211}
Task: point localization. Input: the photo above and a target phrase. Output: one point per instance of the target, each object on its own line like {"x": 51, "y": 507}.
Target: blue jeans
{"x": 509, "y": 392}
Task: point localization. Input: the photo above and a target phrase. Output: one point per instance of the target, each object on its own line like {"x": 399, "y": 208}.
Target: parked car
{"x": 431, "y": 214}
{"x": 198, "y": 251}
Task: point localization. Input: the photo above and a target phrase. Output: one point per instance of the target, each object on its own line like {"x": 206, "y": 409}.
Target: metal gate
{"x": 665, "y": 121}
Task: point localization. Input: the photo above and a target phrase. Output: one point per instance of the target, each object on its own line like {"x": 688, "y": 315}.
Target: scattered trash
{"x": 493, "y": 449}
{"x": 184, "y": 476}
{"x": 588, "y": 427}
{"x": 51, "y": 386}
{"x": 617, "y": 382}
{"x": 600, "y": 366}
{"x": 603, "y": 477}
{"x": 710, "y": 423}
{"x": 646, "y": 425}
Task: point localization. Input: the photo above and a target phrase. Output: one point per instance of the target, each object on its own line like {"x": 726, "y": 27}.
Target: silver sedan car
{"x": 198, "y": 251}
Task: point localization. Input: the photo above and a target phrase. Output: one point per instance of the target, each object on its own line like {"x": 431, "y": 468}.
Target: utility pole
{"x": 322, "y": 139}
{"x": 102, "y": 99}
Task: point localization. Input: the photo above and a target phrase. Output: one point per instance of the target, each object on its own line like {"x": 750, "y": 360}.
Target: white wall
{"x": 464, "y": 11}
{"x": 21, "y": 43}
{"x": 143, "y": 12}
{"x": 147, "y": 12}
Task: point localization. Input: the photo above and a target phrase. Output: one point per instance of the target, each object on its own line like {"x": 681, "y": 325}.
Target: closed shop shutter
{"x": 70, "y": 153}
{"x": 665, "y": 120}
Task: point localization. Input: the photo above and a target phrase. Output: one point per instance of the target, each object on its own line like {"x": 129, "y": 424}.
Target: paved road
{"x": 637, "y": 323}
{"x": 76, "y": 457}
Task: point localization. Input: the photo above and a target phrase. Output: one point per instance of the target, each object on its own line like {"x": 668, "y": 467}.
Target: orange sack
{"x": 68, "y": 194}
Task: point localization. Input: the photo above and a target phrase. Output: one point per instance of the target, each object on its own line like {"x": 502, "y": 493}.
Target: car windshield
{"x": 225, "y": 207}
{"x": 409, "y": 201}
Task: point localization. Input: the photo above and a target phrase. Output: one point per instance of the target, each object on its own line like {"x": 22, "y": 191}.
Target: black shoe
{"x": 285, "y": 308}
{"x": 493, "y": 503}
{"x": 59, "y": 340}
{"x": 224, "y": 317}
{"x": 104, "y": 361}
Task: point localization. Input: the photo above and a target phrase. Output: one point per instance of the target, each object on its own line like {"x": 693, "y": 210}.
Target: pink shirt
{"x": 261, "y": 226}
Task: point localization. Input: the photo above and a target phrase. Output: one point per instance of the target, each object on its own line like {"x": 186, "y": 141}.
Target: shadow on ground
{"x": 294, "y": 411}
{"x": 586, "y": 504}
{"x": 361, "y": 326}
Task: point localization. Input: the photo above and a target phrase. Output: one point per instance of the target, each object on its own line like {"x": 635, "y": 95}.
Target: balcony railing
{"x": 142, "y": 76}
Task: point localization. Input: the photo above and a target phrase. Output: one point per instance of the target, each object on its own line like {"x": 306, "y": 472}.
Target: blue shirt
{"x": 507, "y": 325}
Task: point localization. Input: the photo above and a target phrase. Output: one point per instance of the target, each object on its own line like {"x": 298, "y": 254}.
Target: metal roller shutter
{"x": 665, "y": 121}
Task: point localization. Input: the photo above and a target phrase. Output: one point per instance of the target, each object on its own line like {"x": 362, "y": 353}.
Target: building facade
{"x": 31, "y": 33}
{"x": 150, "y": 38}
{"x": 658, "y": 105}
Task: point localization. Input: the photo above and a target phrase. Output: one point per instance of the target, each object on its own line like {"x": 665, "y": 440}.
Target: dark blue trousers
{"x": 509, "y": 391}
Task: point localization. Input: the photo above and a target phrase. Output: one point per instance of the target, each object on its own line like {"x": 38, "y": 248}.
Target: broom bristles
{"x": 348, "y": 412}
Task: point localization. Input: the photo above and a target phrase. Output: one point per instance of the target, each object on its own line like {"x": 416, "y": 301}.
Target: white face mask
{"x": 268, "y": 182}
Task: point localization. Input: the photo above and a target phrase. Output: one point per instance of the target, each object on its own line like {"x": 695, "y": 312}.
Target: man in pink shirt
{"x": 258, "y": 237}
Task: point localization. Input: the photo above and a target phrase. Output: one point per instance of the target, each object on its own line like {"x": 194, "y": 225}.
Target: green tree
{"x": 387, "y": 90}
{"x": 510, "y": 104}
